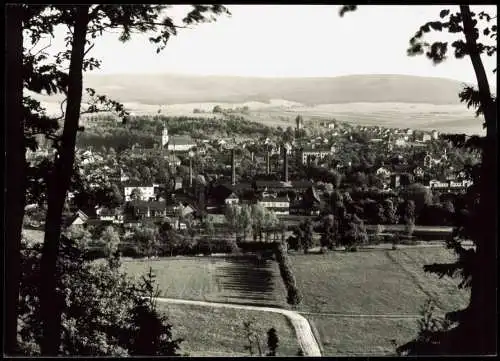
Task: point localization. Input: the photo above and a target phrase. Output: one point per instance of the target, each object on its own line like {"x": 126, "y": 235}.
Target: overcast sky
{"x": 293, "y": 41}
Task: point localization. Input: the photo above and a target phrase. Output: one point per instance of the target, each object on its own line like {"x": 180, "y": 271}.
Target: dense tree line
{"x": 146, "y": 130}
{"x": 39, "y": 73}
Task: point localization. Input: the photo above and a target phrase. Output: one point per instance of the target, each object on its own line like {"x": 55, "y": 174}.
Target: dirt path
{"x": 305, "y": 336}
{"x": 356, "y": 315}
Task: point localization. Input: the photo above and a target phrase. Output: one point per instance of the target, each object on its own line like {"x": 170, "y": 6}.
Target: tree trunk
{"x": 15, "y": 166}
{"x": 51, "y": 304}
{"x": 483, "y": 292}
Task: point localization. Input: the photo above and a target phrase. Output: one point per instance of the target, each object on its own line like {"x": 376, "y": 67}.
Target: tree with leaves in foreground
{"x": 105, "y": 312}
{"x": 475, "y": 328}
{"x": 272, "y": 341}
{"x": 83, "y": 22}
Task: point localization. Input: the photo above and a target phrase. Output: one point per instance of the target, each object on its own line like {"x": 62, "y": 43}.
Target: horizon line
{"x": 270, "y": 76}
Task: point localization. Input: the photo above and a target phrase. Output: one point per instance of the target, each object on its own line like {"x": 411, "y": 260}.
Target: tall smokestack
{"x": 268, "y": 163}
{"x": 233, "y": 168}
{"x": 285, "y": 164}
{"x": 190, "y": 172}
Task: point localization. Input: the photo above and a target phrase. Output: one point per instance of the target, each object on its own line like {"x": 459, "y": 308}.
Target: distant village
{"x": 291, "y": 176}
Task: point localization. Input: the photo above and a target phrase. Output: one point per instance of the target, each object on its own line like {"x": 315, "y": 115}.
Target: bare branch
{"x": 90, "y": 48}
{"x": 62, "y": 109}
{"x": 45, "y": 47}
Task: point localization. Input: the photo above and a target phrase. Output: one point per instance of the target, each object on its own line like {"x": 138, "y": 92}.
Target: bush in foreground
{"x": 285, "y": 266}
{"x": 103, "y": 312}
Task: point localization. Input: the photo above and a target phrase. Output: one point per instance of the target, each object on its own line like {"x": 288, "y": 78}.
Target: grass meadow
{"x": 387, "y": 287}
{"x": 216, "y": 279}
{"x": 357, "y": 303}
{"x": 219, "y": 331}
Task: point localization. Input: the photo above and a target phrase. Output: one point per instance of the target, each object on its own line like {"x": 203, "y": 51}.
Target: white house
{"x": 400, "y": 142}
{"x": 318, "y": 153}
{"x": 79, "y": 218}
{"x": 434, "y": 183}
{"x": 383, "y": 172}
{"x": 232, "y": 199}
{"x": 146, "y": 192}
{"x": 180, "y": 144}
{"x": 418, "y": 172}
{"x": 280, "y": 205}
{"x": 105, "y": 214}
{"x": 426, "y": 137}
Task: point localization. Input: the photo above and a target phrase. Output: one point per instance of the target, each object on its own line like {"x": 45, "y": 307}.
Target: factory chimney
{"x": 285, "y": 163}
{"x": 233, "y": 168}
{"x": 268, "y": 163}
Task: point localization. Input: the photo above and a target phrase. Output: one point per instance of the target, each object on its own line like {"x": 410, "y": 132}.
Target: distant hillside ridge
{"x": 180, "y": 89}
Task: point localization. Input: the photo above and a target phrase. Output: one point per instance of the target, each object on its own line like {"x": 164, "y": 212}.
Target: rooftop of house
{"x": 314, "y": 149}
{"x": 275, "y": 200}
{"x": 136, "y": 184}
{"x": 104, "y": 212}
{"x": 180, "y": 140}
{"x": 154, "y": 205}
{"x": 232, "y": 196}
{"x": 172, "y": 158}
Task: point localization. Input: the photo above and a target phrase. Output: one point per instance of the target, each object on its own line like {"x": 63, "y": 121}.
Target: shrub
{"x": 293, "y": 296}
{"x": 272, "y": 341}
{"x": 376, "y": 239}
{"x": 103, "y": 312}
{"x": 281, "y": 254}
{"x": 132, "y": 251}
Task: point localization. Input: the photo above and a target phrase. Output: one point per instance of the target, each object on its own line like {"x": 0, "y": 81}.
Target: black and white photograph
{"x": 250, "y": 180}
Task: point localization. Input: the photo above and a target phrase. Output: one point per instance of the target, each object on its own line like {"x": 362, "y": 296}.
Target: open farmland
{"x": 216, "y": 279}
{"x": 377, "y": 282}
{"x": 359, "y": 302}
{"x": 219, "y": 331}
{"x": 362, "y": 336}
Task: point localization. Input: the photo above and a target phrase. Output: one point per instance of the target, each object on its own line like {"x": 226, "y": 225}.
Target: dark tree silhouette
{"x": 272, "y": 341}
{"x": 15, "y": 175}
{"x": 83, "y": 21}
{"x": 476, "y": 332}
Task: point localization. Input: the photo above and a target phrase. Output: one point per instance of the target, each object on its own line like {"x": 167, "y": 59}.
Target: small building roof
{"x": 310, "y": 149}
{"x": 275, "y": 200}
{"x": 135, "y": 184}
{"x": 180, "y": 140}
{"x": 155, "y": 205}
{"x": 232, "y": 196}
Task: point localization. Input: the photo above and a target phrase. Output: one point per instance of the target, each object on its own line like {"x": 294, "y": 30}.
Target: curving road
{"x": 305, "y": 336}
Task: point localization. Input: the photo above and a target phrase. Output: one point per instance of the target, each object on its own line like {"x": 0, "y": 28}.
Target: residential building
{"x": 400, "y": 142}
{"x": 383, "y": 172}
{"x": 426, "y": 137}
{"x": 180, "y": 143}
{"x": 232, "y": 199}
{"x": 145, "y": 192}
{"x": 110, "y": 215}
{"x": 279, "y": 205}
{"x": 315, "y": 153}
{"x": 173, "y": 160}
{"x": 80, "y": 218}
{"x": 147, "y": 209}
{"x": 418, "y": 172}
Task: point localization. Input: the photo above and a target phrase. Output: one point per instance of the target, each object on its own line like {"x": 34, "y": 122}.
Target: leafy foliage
{"x": 281, "y": 254}
{"x": 104, "y": 312}
{"x": 473, "y": 266}
{"x": 272, "y": 341}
